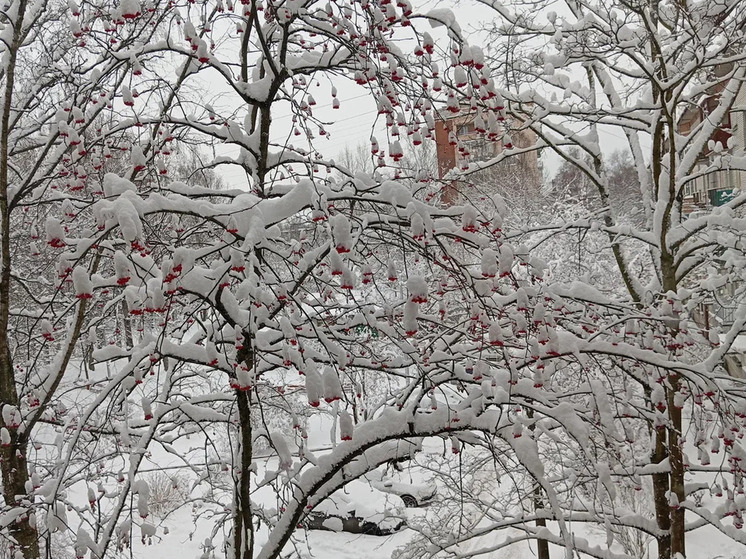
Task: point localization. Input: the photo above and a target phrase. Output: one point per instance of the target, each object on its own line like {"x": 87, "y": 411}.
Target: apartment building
{"x": 716, "y": 188}
{"x": 460, "y": 141}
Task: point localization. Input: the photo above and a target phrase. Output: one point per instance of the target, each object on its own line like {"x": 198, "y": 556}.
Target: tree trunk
{"x": 243, "y": 526}
{"x": 13, "y": 468}
{"x": 673, "y": 450}
{"x": 670, "y": 517}
{"x": 676, "y": 460}
{"x": 15, "y": 475}
{"x": 660, "y": 498}
{"x": 542, "y": 545}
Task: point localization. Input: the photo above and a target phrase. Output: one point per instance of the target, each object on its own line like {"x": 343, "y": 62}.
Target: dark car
{"x": 359, "y": 509}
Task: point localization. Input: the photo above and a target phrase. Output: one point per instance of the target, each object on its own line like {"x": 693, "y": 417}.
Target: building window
{"x": 480, "y": 149}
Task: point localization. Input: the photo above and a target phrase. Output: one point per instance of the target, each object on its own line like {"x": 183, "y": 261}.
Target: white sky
{"x": 354, "y": 122}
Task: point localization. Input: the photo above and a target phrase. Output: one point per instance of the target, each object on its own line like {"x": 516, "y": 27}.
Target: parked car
{"x": 412, "y": 495}
{"x": 359, "y": 509}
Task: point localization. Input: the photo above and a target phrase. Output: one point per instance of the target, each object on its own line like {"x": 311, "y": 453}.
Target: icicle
{"x": 332, "y": 386}
{"x": 673, "y": 500}
{"x": 47, "y": 330}
{"x": 147, "y": 409}
{"x": 460, "y": 77}
{"x": 505, "y": 262}
{"x": 417, "y": 226}
{"x": 11, "y": 416}
{"x": 417, "y": 287}
{"x": 341, "y": 233}
{"x": 455, "y": 444}
{"x": 82, "y": 283}
{"x": 314, "y": 385}
{"x": 138, "y": 159}
{"x": 244, "y": 378}
{"x": 143, "y": 496}
{"x": 127, "y": 97}
{"x": 345, "y": 426}
{"x": 392, "y": 273}
{"x": 121, "y": 268}
{"x": 130, "y": 9}
{"x": 283, "y": 452}
{"x": 55, "y": 232}
{"x": 489, "y": 263}
{"x": 5, "y": 440}
{"x": 409, "y": 320}
{"x": 428, "y": 45}
{"x": 517, "y": 430}
{"x": 395, "y": 151}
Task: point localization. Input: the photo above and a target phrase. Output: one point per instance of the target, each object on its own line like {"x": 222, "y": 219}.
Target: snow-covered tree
{"x": 65, "y": 115}
{"x": 207, "y": 308}
{"x": 231, "y": 316}
{"x": 667, "y": 416}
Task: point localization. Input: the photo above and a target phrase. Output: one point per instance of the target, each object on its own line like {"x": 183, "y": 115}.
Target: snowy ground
{"x": 183, "y": 533}
{"x": 185, "y": 537}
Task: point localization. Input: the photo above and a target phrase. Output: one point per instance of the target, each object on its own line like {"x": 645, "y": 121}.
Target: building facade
{"x": 460, "y": 141}
{"x": 716, "y": 188}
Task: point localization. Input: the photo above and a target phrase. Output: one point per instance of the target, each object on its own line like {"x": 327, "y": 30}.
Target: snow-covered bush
{"x": 167, "y": 493}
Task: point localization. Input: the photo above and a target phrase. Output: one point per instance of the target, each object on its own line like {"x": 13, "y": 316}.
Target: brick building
{"x": 716, "y": 188}
{"x": 459, "y": 143}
